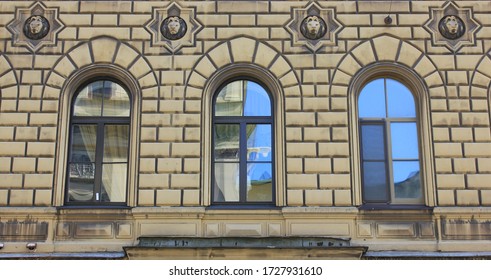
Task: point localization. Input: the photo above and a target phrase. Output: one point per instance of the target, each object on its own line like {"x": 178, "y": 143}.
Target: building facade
{"x": 324, "y": 129}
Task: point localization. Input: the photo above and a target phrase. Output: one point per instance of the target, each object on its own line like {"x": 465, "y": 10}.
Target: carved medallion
{"x": 173, "y": 28}
{"x": 452, "y": 26}
{"x": 313, "y": 26}
{"x": 36, "y": 27}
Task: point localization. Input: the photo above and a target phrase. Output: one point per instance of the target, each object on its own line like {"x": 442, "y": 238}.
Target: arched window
{"x": 242, "y": 149}
{"x": 97, "y": 169}
{"x": 389, "y": 144}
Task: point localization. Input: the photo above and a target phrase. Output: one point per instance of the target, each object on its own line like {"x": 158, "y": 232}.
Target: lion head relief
{"x": 451, "y": 27}
{"x": 313, "y": 27}
{"x": 36, "y": 27}
{"x": 173, "y": 28}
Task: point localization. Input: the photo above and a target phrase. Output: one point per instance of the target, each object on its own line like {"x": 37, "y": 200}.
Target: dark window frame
{"x": 100, "y": 122}
{"x": 243, "y": 121}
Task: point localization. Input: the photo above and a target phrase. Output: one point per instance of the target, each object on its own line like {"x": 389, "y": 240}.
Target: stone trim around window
{"x": 253, "y": 72}
{"x": 69, "y": 90}
{"x": 412, "y": 81}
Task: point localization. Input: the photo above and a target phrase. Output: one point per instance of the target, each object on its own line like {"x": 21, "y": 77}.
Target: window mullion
{"x": 389, "y": 160}
{"x": 243, "y": 162}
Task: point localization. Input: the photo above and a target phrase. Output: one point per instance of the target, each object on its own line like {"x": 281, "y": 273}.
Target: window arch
{"x": 243, "y": 152}
{"x": 98, "y": 154}
{"x": 392, "y": 163}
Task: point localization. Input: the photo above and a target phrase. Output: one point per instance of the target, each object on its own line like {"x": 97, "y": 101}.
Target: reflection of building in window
{"x": 389, "y": 144}
{"x": 99, "y": 138}
{"x": 242, "y": 144}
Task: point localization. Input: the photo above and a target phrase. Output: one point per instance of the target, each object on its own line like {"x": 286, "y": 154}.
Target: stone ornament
{"x": 173, "y": 27}
{"x": 452, "y": 26}
{"x": 35, "y": 27}
{"x": 313, "y": 27}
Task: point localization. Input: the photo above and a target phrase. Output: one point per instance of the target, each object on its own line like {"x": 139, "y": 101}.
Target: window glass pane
{"x": 400, "y": 100}
{"x": 373, "y": 142}
{"x": 259, "y": 182}
{"x": 404, "y": 137}
{"x": 229, "y": 100}
{"x": 89, "y": 100}
{"x": 116, "y": 100}
{"x": 375, "y": 187}
{"x": 113, "y": 183}
{"x": 81, "y": 181}
{"x": 371, "y": 102}
{"x": 407, "y": 182}
{"x": 83, "y": 143}
{"x": 227, "y": 142}
{"x": 116, "y": 143}
{"x": 226, "y": 185}
{"x": 259, "y": 142}
{"x": 257, "y": 102}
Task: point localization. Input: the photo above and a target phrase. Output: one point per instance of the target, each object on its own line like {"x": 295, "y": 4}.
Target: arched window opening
{"x": 389, "y": 144}
{"x": 97, "y": 169}
{"x": 243, "y": 150}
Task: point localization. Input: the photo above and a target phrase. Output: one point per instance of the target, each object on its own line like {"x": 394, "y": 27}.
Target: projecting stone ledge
{"x": 237, "y": 248}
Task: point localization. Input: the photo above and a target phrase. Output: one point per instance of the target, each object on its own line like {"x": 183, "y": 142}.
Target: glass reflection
{"x": 227, "y": 141}
{"x": 259, "y": 182}
{"x": 229, "y": 100}
{"x": 404, "y": 138}
{"x": 371, "y": 101}
{"x": 373, "y": 142}
{"x": 226, "y": 187}
{"x": 116, "y": 143}
{"x": 113, "y": 183}
{"x": 257, "y": 101}
{"x": 102, "y": 98}
{"x": 375, "y": 181}
{"x": 407, "y": 182}
{"x": 400, "y": 100}
{"x": 83, "y": 143}
{"x": 116, "y": 100}
{"x": 242, "y": 98}
{"x": 259, "y": 142}
{"x": 87, "y": 103}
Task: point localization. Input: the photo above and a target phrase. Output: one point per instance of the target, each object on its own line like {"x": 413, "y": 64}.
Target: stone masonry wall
{"x": 315, "y": 85}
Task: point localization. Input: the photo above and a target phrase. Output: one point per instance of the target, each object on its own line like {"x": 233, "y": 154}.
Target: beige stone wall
{"x": 317, "y": 167}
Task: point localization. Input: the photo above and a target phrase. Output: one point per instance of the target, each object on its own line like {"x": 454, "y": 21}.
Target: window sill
{"x": 388, "y": 207}
{"x": 243, "y": 207}
{"x": 93, "y": 210}
{"x": 102, "y": 207}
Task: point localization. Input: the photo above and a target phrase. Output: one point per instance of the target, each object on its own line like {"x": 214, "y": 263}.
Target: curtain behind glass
{"x": 114, "y": 169}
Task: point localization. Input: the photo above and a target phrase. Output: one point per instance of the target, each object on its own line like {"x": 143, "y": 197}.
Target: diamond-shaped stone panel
{"x": 460, "y": 30}
{"x": 173, "y": 27}
{"x": 35, "y": 27}
{"x": 320, "y": 21}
